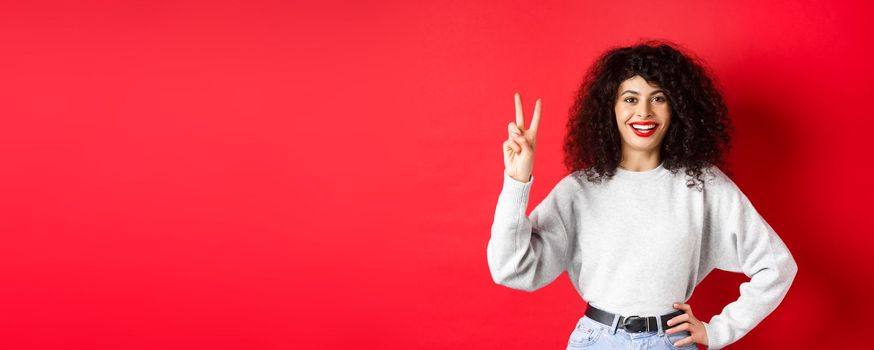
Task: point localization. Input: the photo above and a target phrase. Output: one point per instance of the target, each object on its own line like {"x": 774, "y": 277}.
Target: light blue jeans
{"x": 591, "y": 334}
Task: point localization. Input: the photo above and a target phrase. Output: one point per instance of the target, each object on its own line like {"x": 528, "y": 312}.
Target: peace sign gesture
{"x": 519, "y": 147}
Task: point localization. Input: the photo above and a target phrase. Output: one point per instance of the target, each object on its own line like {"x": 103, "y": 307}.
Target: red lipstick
{"x": 643, "y": 133}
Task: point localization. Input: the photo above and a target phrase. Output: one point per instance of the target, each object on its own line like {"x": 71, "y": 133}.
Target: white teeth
{"x": 640, "y": 127}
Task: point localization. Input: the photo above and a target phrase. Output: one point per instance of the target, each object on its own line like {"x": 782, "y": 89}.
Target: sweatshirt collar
{"x": 642, "y": 175}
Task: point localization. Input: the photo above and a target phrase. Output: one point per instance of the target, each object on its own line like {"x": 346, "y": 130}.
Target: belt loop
{"x": 615, "y": 324}
{"x": 659, "y": 321}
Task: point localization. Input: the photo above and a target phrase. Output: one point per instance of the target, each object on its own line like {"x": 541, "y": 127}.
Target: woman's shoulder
{"x": 718, "y": 183}
{"x": 569, "y": 183}
{"x": 576, "y": 180}
{"x": 567, "y": 188}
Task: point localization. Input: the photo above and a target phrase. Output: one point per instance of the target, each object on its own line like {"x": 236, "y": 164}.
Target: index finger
{"x": 535, "y": 122}
{"x": 683, "y": 306}
{"x": 520, "y": 117}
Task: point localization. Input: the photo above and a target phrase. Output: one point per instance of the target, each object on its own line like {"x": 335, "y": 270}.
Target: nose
{"x": 645, "y": 110}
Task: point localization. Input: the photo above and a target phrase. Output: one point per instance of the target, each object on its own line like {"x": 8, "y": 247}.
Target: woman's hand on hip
{"x": 687, "y": 322}
{"x": 519, "y": 147}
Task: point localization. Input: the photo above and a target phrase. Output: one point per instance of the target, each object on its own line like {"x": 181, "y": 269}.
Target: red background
{"x": 266, "y": 175}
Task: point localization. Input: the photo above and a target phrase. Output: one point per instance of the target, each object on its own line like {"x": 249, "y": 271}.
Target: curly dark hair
{"x": 697, "y": 137}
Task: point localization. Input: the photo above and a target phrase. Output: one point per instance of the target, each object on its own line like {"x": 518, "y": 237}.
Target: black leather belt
{"x": 631, "y": 324}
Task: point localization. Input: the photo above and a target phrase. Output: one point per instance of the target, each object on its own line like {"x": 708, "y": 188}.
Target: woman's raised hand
{"x": 519, "y": 147}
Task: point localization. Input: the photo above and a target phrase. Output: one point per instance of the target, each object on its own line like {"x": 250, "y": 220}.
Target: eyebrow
{"x": 636, "y": 93}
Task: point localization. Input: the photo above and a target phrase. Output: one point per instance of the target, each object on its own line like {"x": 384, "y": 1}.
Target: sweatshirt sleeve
{"x": 527, "y": 253}
{"x": 742, "y": 241}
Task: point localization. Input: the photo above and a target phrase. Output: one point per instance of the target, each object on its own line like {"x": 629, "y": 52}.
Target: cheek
{"x": 622, "y": 115}
{"x": 667, "y": 113}
{"x": 620, "y": 120}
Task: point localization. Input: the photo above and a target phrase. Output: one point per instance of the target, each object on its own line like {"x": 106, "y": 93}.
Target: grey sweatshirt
{"x": 641, "y": 241}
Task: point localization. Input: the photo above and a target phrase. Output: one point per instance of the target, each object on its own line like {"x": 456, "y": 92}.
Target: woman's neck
{"x": 640, "y": 161}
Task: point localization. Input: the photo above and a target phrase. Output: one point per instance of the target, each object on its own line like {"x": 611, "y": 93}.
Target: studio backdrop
{"x": 323, "y": 175}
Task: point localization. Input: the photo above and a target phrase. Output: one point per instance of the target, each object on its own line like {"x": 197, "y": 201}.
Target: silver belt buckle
{"x": 628, "y": 321}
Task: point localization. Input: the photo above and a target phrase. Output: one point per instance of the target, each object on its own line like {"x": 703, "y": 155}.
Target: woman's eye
{"x": 659, "y": 99}
{"x": 630, "y": 99}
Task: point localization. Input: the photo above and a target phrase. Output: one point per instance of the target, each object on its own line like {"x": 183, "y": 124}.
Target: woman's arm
{"x": 527, "y": 253}
{"x": 742, "y": 241}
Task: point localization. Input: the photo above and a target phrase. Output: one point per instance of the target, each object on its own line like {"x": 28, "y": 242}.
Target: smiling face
{"x": 642, "y": 114}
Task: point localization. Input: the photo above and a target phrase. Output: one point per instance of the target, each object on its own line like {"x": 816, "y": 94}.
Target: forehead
{"x": 638, "y": 84}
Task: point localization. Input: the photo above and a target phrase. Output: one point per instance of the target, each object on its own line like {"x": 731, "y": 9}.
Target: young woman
{"x": 645, "y": 212}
